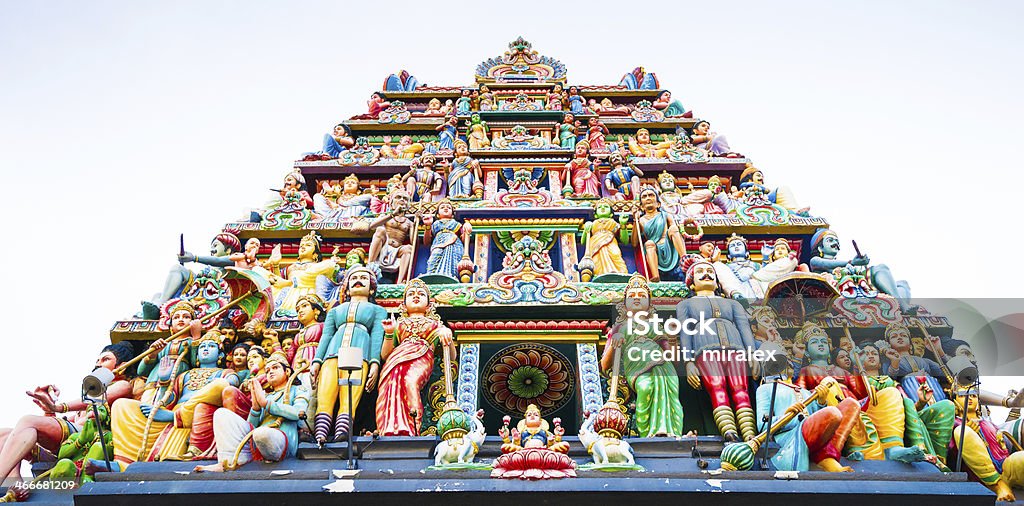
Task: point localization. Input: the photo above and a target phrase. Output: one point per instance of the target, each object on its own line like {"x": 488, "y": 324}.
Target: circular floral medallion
{"x": 528, "y": 373}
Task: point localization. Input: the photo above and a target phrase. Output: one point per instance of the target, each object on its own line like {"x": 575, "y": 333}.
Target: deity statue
{"x": 447, "y": 133}
{"x": 422, "y": 183}
{"x": 752, "y": 178}
{"x": 356, "y": 322}
{"x": 600, "y": 239}
{"x": 60, "y": 420}
{"x": 299, "y": 277}
{"x": 172, "y": 358}
{"x": 720, "y": 373}
{"x": 670, "y": 108}
{"x": 683, "y": 150}
{"x": 543, "y": 453}
{"x": 607, "y": 108}
{"x": 567, "y": 131}
{"x": 641, "y": 145}
{"x": 580, "y": 175}
{"x": 310, "y": 313}
{"x": 464, "y": 104}
{"x": 658, "y": 234}
{"x": 658, "y": 411}
{"x": 433, "y": 108}
{"x": 702, "y": 137}
{"x": 334, "y": 206}
{"x": 161, "y": 428}
{"x": 623, "y": 178}
{"x": 464, "y": 177}
{"x": 825, "y": 245}
{"x": 405, "y": 149}
{"x": 766, "y": 328}
{"x": 486, "y": 98}
{"x": 408, "y": 355}
{"x": 294, "y": 197}
{"x": 596, "y": 132}
{"x": 906, "y": 363}
{"x": 247, "y": 259}
{"x": 477, "y": 133}
{"x": 447, "y": 239}
{"x": 575, "y": 101}
{"x": 180, "y": 277}
{"x": 700, "y": 202}
{"x": 339, "y": 140}
{"x": 739, "y": 258}
{"x": 391, "y": 247}
{"x": 271, "y": 429}
{"x": 375, "y": 105}
{"x": 238, "y": 360}
{"x": 329, "y": 286}
{"x": 554, "y": 99}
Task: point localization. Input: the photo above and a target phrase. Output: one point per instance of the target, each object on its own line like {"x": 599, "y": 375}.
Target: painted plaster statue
{"x": 464, "y": 104}
{"x": 293, "y": 194}
{"x": 339, "y": 140}
{"x": 575, "y": 101}
{"x": 825, "y": 247}
{"x": 174, "y": 357}
{"x": 766, "y": 327}
{"x": 391, "y": 247}
{"x": 580, "y": 175}
{"x": 567, "y": 131}
{"x": 299, "y": 277}
{"x": 375, "y": 105}
{"x": 670, "y": 108}
{"x": 408, "y": 355}
{"x": 422, "y": 183}
{"x": 671, "y": 197}
{"x": 270, "y": 432}
{"x": 607, "y": 108}
{"x": 247, "y": 259}
{"x": 532, "y": 450}
{"x": 683, "y": 150}
{"x": 406, "y": 148}
{"x": 356, "y": 322}
{"x": 723, "y": 376}
{"x": 658, "y": 411}
{"x": 704, "y": 201}
{"x": 623, "y": 178}
{"x": 221, "y": 248}
{"x": 641, "y": 145}
{"x": 601, "y": 240}
{"x": 907, "y": 363}
{"x": 751, "y": 280}
{"x": 464, "y": 177}
{"x": 658, "y": 235}
{"x": 477, "y": 133}
{"x": 554, "y": 99}
{"x": 311, "y": 314}
{"x": 702, "y": 137}
{"x": 486, "y": 98}
{"x": 596, "y": 132}
{"x": 334, "y": 205}
{"x": 161, "y": 429}
{"x": 60, "y": 420}
{"x": 753, "y": 179}
{"x": 447, "y": 133}
{"x": 447, "y": 239}
{"x": 433, "y": 108}
{"x": 328, "y": 287}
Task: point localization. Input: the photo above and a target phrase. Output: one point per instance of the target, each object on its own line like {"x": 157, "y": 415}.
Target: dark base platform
{"x": 393, "y": 471}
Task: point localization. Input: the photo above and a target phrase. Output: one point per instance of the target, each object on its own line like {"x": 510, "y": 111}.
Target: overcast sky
{"x": 124, "y": 124}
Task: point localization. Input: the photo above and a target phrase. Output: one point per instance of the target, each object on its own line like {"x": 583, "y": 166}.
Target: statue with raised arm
{"x": 447, "y": 238}
{"x": 221, "y": 248}
{"x": 825, "y": 248}
{"x": 658, "y": 234}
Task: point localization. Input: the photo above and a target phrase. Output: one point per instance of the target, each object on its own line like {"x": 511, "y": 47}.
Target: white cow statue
{"x": 604, "y": 450}
{"x": 462, "y": 451}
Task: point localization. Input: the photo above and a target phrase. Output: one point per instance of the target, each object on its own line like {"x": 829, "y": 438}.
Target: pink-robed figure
{"x": 408, "y": 355}
{"x": 580, "y": 174}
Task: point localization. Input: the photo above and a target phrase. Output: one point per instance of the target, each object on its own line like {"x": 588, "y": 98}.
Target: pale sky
{"x": 124, "y": 124}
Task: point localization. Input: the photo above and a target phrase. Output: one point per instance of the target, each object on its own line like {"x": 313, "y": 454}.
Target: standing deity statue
{"x": 356, "y": 322}
{"x": 600, "y": 238}
{"x": 723, "y": 375}
{"x": 408, "y": 355}
{"x": 486, "y": 98}
{"x": 464, "y": 104}
{"x": 422, "y": 183}
{"x": 477, "y": 133}
{"x": 554, "y": 99}
{"x": 623, "y": 178}
{"x": 271, "y": 429}
{"x": 567, "y": 131}
{"x": 580, "y": 176}
{"x": 576, "y": 101}
{"x": 447, "y": 239}
{"x": 658, "y": 411}
{"x": 391, "y": 247}
{"x": 658, "y": 234}
{"x": 596, "y": 132}
{"x": 464, "y": 177}
{"x": 310, "y": 313}
{"x": 447, "y": 133}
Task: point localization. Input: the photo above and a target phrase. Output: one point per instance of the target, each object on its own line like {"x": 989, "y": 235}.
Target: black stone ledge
{"x": 425, "y": 491}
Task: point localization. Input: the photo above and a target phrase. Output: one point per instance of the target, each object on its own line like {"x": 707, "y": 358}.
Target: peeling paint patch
{"x": 340, "y": 486}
